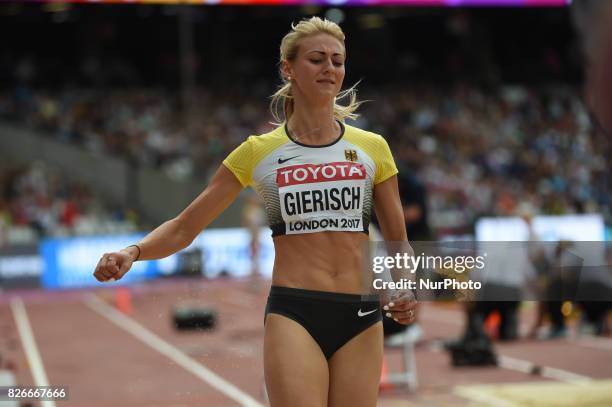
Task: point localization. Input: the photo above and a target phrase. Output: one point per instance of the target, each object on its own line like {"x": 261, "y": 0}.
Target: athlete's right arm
{"x": 177, "y": 233}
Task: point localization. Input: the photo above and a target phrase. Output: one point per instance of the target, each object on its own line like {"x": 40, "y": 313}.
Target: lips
{"x": 326, "y": 81}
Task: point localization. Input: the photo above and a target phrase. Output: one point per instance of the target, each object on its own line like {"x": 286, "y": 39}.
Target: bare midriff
{"x": 323, "y": 261}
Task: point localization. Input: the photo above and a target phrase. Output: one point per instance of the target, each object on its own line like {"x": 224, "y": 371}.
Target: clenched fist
{"x": 113, "y": 266}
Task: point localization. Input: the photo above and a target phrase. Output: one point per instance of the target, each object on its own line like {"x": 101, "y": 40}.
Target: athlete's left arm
{"x": 389, "y": 211}
{"x": 390, "y": 214}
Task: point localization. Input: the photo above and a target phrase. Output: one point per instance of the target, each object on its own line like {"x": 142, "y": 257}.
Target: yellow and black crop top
{"x": 308, "y": 189}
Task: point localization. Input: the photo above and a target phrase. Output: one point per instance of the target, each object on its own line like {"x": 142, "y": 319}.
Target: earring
{"x": 289, "y": 78}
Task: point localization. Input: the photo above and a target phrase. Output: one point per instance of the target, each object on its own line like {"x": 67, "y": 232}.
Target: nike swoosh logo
{"x": 281, "y": 161}
{"x": 363, "y": 314}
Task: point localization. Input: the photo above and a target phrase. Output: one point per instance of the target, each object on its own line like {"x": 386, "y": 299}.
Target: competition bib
{"x": 319, "y": 197}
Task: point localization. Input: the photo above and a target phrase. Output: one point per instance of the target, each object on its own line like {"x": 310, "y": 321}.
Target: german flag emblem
{"x": 350, "y": 155}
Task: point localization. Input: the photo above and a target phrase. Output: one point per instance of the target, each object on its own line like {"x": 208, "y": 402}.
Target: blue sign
{"x": 71, "y": 262}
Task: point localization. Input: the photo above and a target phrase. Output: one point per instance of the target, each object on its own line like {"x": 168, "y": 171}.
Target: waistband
{"x": 277, "y": 291}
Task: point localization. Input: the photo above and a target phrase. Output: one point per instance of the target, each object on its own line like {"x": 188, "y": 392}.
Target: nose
{"x": 329, "y": 64}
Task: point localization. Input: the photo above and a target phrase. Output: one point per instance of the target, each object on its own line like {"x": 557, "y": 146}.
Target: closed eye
{"x": 318, "y": 61}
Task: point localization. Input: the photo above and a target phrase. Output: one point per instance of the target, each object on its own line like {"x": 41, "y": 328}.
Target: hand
{"x": 113, "y": 266}
{"x": 402, "y": 308}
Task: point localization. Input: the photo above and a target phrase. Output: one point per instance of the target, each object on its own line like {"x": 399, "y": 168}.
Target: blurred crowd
{"x": 147, "y": 126}
{"x": 37, "y": 201}
{"x": 511, "y": 150}
{"x": 508, "y": 150}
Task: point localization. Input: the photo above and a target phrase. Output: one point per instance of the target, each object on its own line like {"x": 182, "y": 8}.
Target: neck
{"x": 313, "y": 124}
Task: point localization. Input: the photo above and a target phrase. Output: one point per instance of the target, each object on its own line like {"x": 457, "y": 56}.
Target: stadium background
{"x": 113, "y": 117}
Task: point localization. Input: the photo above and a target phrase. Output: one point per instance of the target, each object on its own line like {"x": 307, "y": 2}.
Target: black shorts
{"x": 332, "y": 319}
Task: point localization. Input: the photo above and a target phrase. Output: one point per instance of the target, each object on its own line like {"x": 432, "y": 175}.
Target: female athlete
{"x": 319, "y": 179}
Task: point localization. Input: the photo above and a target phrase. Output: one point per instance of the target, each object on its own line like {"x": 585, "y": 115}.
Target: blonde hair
{"x": 289, "y": 50}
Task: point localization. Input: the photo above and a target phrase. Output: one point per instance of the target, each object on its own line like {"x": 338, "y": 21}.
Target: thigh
{"x": 295, "y": 368}
{"x": 354, "y": 370}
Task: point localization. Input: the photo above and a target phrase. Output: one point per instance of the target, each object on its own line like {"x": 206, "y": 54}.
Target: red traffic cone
{"x": 123, "y": 300}
{"x": 384, "y": 376}
{"x": 492, "y": 324}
